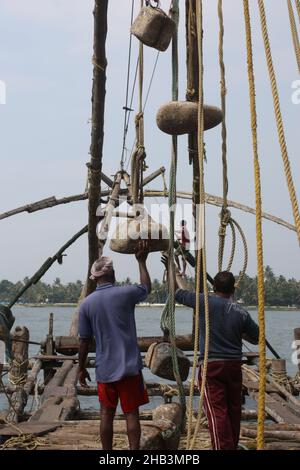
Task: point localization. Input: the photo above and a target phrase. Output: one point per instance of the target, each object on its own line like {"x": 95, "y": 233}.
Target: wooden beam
{"x": 70, "y": 344}
{"x": 46, "y": 266}
{"x": 217, "y": 201}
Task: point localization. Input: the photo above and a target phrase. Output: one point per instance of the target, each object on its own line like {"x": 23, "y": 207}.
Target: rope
{"x": 169, "y": 311}
{"x": 145, "y": 104}
{"x": 201, "y": 260}
{"x": 151, "y": 80}
{"x": 139, "y": 155}
{"x": 244, "y": 241}
{"x": 17, "y": 378}
{"x": 282, "y": 379}
{"x": 129, "y": 113}
{"x": 298, "y": 8}
{"x": 22, "y": 441}
{"x": 294, "y": 32}
{"x": 259, "y": 237}
{"x": 279, "y": 121}
{"x": 225, "y": 214}
{"x": 126, "y": 108}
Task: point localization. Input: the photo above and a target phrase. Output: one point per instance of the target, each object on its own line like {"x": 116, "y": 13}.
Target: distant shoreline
{"x": 158, "y": 305}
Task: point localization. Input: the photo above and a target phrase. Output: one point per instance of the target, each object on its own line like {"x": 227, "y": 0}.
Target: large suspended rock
{"x": 153, "y": 28}
{"x": 130, "y": 231}
{"x": 181, "y": 117}
{"x": 159, "y": 360}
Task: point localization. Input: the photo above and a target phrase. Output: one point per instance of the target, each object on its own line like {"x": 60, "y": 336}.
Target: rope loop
{"x": 225, "y": 218}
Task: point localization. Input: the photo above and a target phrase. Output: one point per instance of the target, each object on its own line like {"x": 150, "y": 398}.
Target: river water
{"x": 279, "y": 327}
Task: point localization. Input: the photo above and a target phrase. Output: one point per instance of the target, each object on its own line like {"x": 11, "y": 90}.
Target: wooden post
{"x": 192, "y": 94}
{"x": 49, "y": 350}
{"x": 18, "y": 372}
{"x": 97, "y": 133}
{"x": 279, "y": 366}
{"x": 96, "y": 149}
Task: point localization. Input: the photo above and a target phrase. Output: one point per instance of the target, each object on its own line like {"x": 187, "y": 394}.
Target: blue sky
{"x": 46, "y": 50}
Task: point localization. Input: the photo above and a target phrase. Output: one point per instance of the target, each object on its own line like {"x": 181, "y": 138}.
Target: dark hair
{"x": 108, "y": 277}
{"x": 224, "y": 282}
{"x": 183, "y": 222}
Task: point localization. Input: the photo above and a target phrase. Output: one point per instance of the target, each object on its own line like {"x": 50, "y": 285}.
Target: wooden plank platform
{"x": 84, "y": 435}
{"x": 276, "y": 405}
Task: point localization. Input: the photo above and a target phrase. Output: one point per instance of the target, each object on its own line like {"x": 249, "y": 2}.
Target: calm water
{"x": 279, "y": 325}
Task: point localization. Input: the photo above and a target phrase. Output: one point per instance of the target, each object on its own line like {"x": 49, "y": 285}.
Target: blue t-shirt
{"x": 229, "y": 325}
{"x": 108, "y": 314}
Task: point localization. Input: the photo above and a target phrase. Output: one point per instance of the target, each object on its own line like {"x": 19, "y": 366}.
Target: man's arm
{"x": 182, "y": 296}
{"x": 186, "y": 297}
{"x": 251, "y": 330}
{"x": 83, "y": 353}
{"x": 141, "y": 256}
{"x": 85, "y": 336}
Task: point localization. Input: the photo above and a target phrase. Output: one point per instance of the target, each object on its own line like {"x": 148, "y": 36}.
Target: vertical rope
{"x": 139, "y": 155}
{"x": 172, "y": 208}
{"x": 259, "y": 236}
{"x": 201, "y": 230}
{"x": 225, "y": 215}
{"x": 279, "y": 121}
{"x": 298, "y": 8}
{"x": 294, "y": 32}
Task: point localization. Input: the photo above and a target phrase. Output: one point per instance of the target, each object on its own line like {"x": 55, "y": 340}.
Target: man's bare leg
{"x": 106, "y": 426}
{"x": 133, "y": 429}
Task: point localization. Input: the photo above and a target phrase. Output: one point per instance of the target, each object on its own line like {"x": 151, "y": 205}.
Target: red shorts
{"x": 131, "y": 391}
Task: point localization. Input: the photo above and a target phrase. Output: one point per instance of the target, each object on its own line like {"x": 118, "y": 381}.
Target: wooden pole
{"x": 18, "y": 372}
{"x": 192, "y": 94}
{"x": 46, "y": 266}
{"x": 97, "y": 133}
{"x": 209, "y": 198}
{"x": 96, "y": 149}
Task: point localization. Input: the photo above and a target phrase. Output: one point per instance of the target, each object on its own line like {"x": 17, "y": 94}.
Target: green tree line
{"x": 279, "y": 291}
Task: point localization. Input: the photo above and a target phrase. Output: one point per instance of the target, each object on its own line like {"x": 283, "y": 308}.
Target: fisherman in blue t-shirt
{"x": 229, "y": 324}
{"x": 108, "y": 315}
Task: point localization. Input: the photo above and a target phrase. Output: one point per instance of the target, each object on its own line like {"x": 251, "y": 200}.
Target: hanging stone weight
{"x": 181, "y": 117}
{"x": 159, "y": 360}
{"x": 129, "y": 232}
{"x": 153, "y": 28}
